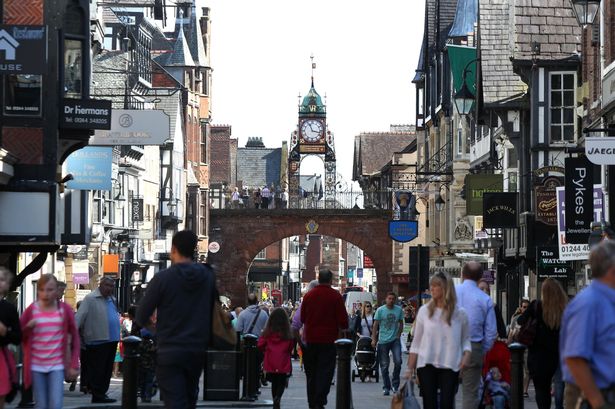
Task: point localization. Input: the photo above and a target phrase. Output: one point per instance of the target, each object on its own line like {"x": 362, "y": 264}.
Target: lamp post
{"x": 585, "y": 11}
{"x": 464, "y": 98}
{"x": 440, "y": 203}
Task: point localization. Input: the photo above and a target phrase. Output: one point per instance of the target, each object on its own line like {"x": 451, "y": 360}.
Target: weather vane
{"x": 313, "y": 67}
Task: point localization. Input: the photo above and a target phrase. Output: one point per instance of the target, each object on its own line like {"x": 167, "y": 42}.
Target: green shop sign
{"x": 478, "y": 184}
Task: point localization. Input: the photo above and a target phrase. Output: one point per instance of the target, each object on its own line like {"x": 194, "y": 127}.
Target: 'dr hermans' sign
{"x": 23, "y": 49}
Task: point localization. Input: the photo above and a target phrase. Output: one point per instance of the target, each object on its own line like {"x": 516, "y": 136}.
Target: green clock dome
{"x": 312, "y": 104}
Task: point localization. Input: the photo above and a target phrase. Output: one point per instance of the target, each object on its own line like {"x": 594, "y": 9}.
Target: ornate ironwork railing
{"x": 307, "y": 200}
{"x": 440, "y": 163}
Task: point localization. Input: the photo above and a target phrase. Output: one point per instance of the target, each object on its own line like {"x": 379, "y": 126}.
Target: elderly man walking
{"x": 324, "y": 316}
{"x": 587, "y": 335}
{"x": 98, "y": 321}
{"x": 483, "y": 329}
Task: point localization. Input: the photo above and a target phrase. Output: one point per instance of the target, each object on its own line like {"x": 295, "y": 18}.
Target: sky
{"x": 365, "y": 52}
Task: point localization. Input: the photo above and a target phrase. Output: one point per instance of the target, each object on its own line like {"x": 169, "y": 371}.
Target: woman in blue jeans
{"x": 441, "y": 346}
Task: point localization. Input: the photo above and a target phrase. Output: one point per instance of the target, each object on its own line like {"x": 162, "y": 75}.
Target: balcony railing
{"x": 340, "y": 200}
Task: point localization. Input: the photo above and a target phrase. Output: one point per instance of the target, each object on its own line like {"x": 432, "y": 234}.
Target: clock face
{"x": 312, "y": 130}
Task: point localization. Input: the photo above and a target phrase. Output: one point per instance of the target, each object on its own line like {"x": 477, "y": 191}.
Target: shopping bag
{"x": 404, "y": 398}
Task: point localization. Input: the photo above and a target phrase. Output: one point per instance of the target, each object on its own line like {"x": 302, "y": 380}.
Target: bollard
{"x": 250, "y": 376}
{"x": 343, "y": 399}
{"x": 517, "y": 351}
{"x": 130, "y": 372}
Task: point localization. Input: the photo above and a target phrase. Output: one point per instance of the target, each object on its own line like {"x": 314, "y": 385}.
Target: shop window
{"x": 23, "y": 95}
{"x": 261, "y": 255}
{"x": 73, "y": 68}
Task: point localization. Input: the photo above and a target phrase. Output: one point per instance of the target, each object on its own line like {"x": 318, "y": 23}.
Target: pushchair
{"x": 365, "y": 360}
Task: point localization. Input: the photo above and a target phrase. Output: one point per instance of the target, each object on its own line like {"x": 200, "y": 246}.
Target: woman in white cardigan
{"x": 441, "y": 346}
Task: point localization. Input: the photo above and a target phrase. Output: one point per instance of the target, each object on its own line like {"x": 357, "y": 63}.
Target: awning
{"x": 459, "y": 57}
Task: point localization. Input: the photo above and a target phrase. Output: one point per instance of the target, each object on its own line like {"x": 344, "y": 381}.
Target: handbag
{"x": 405, "y": 398}
{"x": 10, "y": 367}
{"x": 223, "y": 336}
{"x": 527, "y": 332}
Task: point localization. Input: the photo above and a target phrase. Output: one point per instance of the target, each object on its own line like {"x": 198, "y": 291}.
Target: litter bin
{"x": 222, "y": 370}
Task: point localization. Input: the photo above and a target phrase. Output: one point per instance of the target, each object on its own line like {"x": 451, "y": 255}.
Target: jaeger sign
{"x": 579, "y": 199}
{"x": 600, "y": 151}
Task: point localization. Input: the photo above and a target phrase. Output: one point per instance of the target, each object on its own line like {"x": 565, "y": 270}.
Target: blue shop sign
{"x": 91, "y": 168}
{"x": 403, "y": 231}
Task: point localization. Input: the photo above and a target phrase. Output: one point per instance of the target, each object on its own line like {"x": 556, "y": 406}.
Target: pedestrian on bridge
{"x": 483, "y": 329}
{"x": 324, "y": 317}
{"x": 183, "y": 296}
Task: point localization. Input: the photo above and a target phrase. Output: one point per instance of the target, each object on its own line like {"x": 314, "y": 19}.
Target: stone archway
{"x": 242, "y": 234}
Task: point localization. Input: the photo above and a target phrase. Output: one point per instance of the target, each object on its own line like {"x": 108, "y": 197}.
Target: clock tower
{"x": 312, "y": 137}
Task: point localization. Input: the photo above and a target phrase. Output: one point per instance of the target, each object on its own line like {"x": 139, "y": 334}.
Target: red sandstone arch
{"x": 243, "y": 233}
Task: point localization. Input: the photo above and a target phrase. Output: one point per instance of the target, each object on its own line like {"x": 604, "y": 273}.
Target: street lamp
{"x": 464, "y": 98}
{"x": 585, "y": 11}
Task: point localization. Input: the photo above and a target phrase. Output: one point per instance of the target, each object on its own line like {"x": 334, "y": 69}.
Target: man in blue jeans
{"x": 388, "y": 326}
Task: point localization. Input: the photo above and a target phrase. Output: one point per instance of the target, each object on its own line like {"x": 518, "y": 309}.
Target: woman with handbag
{"x": 10, "y": 333}
{"x": 540, "y": 325}
{"x": 50, "y": 345}
{"x": 441, "y": 346}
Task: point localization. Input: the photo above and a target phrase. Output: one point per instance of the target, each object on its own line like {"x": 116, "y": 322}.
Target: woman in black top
{"x": 543, "y": 353}
{"x": 10, "y": 333}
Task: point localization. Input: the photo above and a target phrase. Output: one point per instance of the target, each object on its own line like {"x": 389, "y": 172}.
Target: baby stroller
{"x": 365, "y": 360}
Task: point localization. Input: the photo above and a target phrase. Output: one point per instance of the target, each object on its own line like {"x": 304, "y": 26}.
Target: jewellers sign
{"x": 86, "y": 114}
{"x": 579, "y": 199}
{"x": 135, "y": 127}
{"x": 567, "y": 251}
{"x": 600, "y": 151}
{"x": 23, "y": 49}
{"x": 500, "y": 210}
{"x": 137, "y": 210}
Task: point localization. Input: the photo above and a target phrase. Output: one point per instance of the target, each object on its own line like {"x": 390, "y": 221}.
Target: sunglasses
{"x": 368, "y": 306}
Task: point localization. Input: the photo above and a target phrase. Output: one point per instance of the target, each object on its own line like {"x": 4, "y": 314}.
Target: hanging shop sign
{"x": 407, "y": 205}
{"x": 137, "y": 210}
{"x": 568, "y": 251}
{"x": 23, "y": 49}
{"x": 546, "y": 169}
{"x": 476, "y": 185}
{"x": 91, "y": 168}
{"x": 85, "y": 114}
{"x": 600, "y": 151}
{"x": 546, "y": 201}
{"x": 367, "y": 262}
{"x": 579, "y": 199}
{"x": 134, "y": 127}
{"x": 550, "y": 265}
{"x": 500, "y": 210}
{"x": 403, "y": 231}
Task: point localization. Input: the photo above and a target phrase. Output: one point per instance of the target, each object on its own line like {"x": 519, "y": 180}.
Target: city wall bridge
{"x": 242, "y": 231}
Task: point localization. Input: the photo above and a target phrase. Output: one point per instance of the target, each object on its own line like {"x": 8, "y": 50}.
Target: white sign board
{"x": 214, "y": 247}
{"x": 571, "y": 252}
{"x": 600, "y": 151}
{"x": 134, "y": 127}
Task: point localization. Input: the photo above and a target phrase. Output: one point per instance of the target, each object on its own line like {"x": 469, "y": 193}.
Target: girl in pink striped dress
{"x": 50, "y": 344}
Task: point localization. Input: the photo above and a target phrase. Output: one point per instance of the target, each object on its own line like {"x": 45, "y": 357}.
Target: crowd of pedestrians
{"x": 264, "y": 197}
{"x": 458, "y": 338}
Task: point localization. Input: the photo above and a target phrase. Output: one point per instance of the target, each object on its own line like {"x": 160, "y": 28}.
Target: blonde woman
{"x": 543, "y": 353}
{"x": 441, "y": 346}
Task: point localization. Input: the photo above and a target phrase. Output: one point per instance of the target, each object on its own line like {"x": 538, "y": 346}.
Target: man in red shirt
{"x": 324, "y": 316}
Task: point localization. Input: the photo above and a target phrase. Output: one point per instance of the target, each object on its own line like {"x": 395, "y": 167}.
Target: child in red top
{"x": 276, "y": 343}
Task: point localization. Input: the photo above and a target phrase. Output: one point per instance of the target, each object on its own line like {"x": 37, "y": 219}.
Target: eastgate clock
{"x": 312, "y": 130}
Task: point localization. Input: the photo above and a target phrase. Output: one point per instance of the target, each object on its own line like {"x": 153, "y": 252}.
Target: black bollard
{"x": 130, "y": 372}
{"x": 517, "y": 351}
{"x": 250, "y": 380}
{"x": 343, "y": 399}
